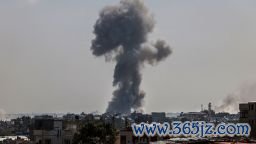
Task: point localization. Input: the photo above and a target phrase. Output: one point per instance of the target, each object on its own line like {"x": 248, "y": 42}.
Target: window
{"x": 123, "y": 140}
{"x": 47, "y": 141}
{"x": 67, "y": 141}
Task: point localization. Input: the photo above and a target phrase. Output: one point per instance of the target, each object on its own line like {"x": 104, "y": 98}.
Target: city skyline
{"x": 47, "y": 66}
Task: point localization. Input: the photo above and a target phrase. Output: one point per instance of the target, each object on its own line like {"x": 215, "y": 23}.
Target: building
{"x": 248, "y": 115}
{"x": 119, "y": 122}
{"x": 158, "y": 117}
{"x": 140, "y": 117}
{"x": 126, "y": 136}
{"x": 49, "y": 130}
{"x": 193, "y": 116}
{"x": 14, "y": 140}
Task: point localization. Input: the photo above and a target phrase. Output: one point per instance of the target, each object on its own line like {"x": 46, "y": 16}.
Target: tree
{"x": 95, "y": 133}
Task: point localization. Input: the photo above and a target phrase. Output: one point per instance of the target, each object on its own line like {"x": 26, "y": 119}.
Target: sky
{"x": 46, "y": 64}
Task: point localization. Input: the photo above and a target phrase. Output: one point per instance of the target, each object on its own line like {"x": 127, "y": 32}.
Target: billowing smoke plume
{"x": 121, "y": 34}
{"x": 246, "y": 93}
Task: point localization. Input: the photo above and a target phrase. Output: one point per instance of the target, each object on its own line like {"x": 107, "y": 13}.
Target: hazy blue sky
{"x": 46, "y": 64}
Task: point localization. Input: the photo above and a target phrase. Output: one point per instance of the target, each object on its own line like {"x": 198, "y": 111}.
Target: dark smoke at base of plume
{"x": 121, "y": 34}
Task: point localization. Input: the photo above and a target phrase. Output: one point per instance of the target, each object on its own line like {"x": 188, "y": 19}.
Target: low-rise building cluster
{"x": 50, "y": 129}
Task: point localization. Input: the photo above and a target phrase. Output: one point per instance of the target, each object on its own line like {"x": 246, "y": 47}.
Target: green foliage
{"x": 95, "y": 133}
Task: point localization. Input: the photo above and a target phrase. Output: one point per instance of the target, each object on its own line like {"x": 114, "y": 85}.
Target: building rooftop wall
{"x": 243, "y": 106}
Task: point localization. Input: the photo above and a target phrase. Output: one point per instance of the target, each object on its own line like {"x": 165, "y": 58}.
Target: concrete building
{"x": 49, "y": 130}
{"x": 248, "y": 115}
{"x": 158, "y": 117}
{"x": 119, "y": 122}
{"x": 139, "y": 117}
{"x": 193, "y": 116}
{"x": 126, "y": 136}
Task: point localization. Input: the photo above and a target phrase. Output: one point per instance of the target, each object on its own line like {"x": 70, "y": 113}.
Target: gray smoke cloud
{"x": 121, "y": 34}
{"x": 243, "y": 94}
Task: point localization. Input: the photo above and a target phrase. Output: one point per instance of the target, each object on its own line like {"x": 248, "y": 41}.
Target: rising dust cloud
{"x": 244, "y": 94}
